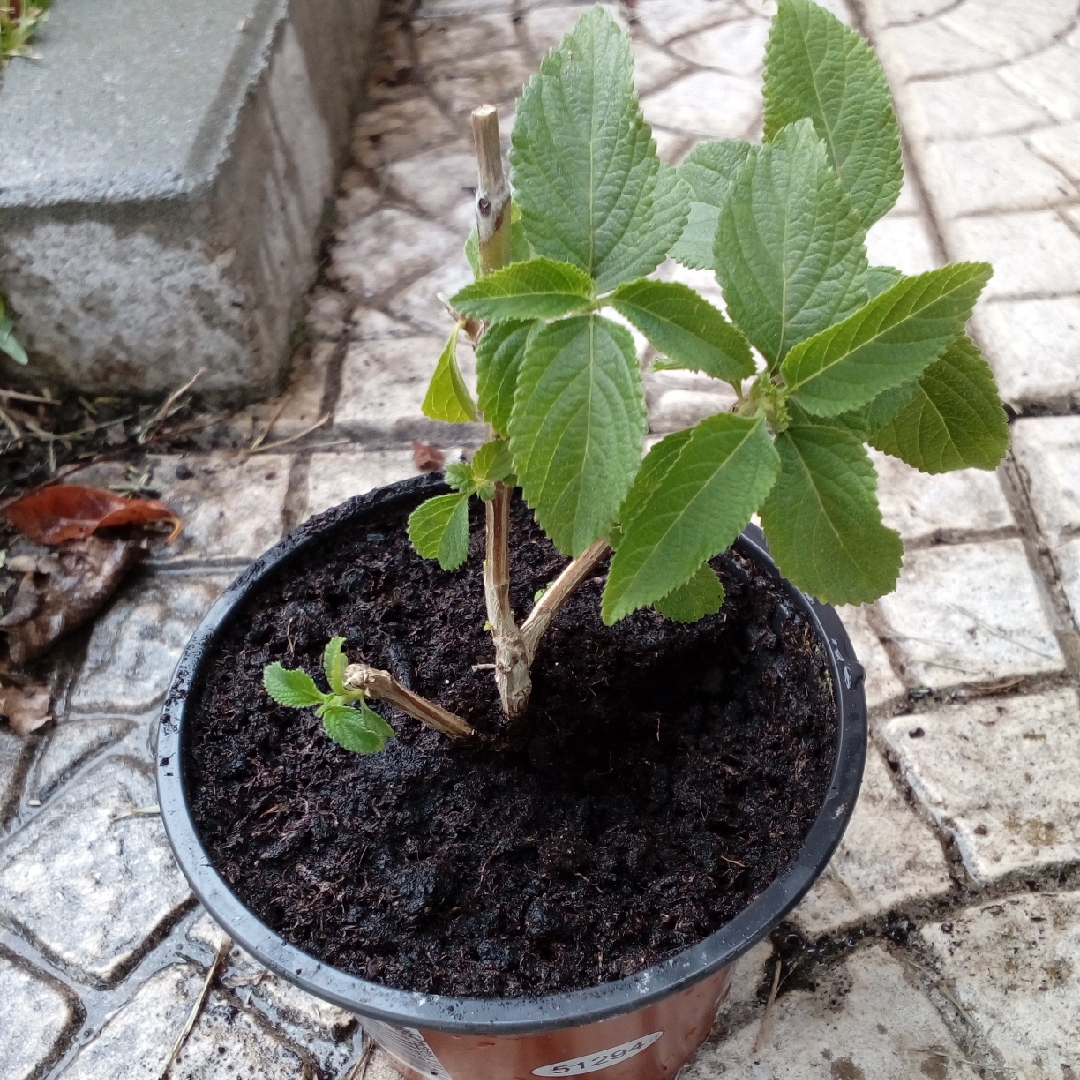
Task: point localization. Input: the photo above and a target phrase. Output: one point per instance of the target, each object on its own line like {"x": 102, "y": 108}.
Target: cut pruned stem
{"x": 382, "y": 686}
{"x": 511, "y": 656}
{"x": 562, "y": 588}
{"x": 492, "y": 192}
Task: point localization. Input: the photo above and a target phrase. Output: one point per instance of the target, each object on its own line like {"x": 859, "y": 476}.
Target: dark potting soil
{"x": 671, "y": 771}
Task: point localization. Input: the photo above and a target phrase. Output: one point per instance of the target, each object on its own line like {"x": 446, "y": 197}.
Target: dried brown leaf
{"x": 428, "y": 458}
{"x": 26, "y": 707}
{"x": 49, "y": 605}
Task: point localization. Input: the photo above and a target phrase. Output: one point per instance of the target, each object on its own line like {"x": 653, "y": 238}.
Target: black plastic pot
{"x": 642, "y": 1027}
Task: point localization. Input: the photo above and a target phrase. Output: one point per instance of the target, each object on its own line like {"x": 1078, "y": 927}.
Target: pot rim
{"x": 505, "y": 1016}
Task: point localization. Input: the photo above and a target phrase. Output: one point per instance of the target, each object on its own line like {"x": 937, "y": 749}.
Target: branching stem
{"x": 382, "y": 686}
{"x": 562, "y": 588}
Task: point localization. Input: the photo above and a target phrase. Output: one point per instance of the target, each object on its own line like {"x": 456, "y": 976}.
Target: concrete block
{"x": 985, "y": 175}
{"x": 691, "y": 105}
{"x": 1048, "y": 451}
{"x": 333, "y": 478}
{"x": 888, "y": 859}
{"x": 1061, "y": 146}
{"x": 70, "y": 746}
{"x": 1000, "y": 776}
{"x": 12, "y": 750}
{"x": 1068, "y": 557}
{"x": 930, "y": 48}
{"x": 969, "y": 613}
{"x": 136, "y": 644}
{"x": 1015, "y": 967}
{"x": 161, "y": 192}
{"x": 971, "y": 106}
{"x": 1032, "y": 253}
{"x": 136, "y": 1040}
{"x": 902, "y": 241}
{"x": 37, "y": 1017}
{"x": 1051, "y": 78}
{"x": 664, "y": 20}
{"x": 922, "y": 507}
{"x": 87, "y": 881}
{"x": 863, "y": 1019}
{"x": 1032, "y": 346}
{"x": 881, "y": 682}
{"x": 737, "y": 47}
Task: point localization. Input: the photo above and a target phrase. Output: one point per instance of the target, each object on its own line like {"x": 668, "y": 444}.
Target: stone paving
{"x": 944, "y": 939}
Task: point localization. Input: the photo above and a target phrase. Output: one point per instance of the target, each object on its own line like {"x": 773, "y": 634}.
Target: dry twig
{"x": 222, "y": 952}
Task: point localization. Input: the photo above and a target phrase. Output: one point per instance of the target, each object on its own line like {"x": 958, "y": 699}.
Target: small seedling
{"x": 360, "y": 729}
{"x": 824, "y": 353}
{"x": 19, "y": 21}
{"x": 9, "y": 343}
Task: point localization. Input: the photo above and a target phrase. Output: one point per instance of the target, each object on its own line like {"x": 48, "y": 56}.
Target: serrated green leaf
{"x": 687, "y": 506}
{"x": 460, "y": 476}
{"x": 577, "y": 427}
{"x": 790, "y": 252}
{"x": 296, "y": 688}
{"x": 334, "y": 661}
{"x": 702, "y": 595}
{"x": 695, "y": 247}
{"x": 439, "y": 529}
{"x": 881, "y": 278}
{"x": 537, "y": 289}
{"x": 889, "y": 342}
{"x": 822, "y": 518}
{"x": 817, "y": 68}
{"x": 687, "y": 328}
{"x": 586, "y": 176}
{"x": 9, "y": 343}
{"x": 498, "y": 361}
{"x": 954, "y": 418}
{"x": 363, "y": 731}
{"x": 710, "y": 169}
{"x": 472, "y": 253}
{"x": 447, "y": 396}
{"x": 493, "y": 461}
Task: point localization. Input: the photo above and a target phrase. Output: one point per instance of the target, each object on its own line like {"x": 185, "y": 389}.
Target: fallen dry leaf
{"x": 428, "y": 458}
{"x": 59, "y": 596}
{"x": 26, "y": 707}
{"x": 70, "y": 512}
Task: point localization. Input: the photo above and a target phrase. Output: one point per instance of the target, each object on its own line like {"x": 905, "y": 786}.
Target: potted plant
{"x": 602, "y": 805}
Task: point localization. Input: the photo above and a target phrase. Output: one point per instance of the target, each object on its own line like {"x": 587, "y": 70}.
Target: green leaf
{"x": 586, "y": 176}
{"x": 577, "y": 427}
{"x": 817, "y": 68}
{"x": 9, "y": 343}
{"x": 952, "y": 420}
{"x": 493, "y": 461}
{"x": 472, "y": 253}
{"x": 822, "y": 518}
{"x": 885, "y": 344}
{"x": 537, "y": 289}
{"x": 686, "y": 506}
{"x": 460, "y": 476}
{"x": 700, "y": 596}
{"x": 447, "y": 396}
{"x": 881, "y": 278}
{"x": 710, "y": 169}
{"x": 439, "y": 529}
{"x": 296, "y": 689}
{"x": 695, "y": 247}
{"x": 790, "y": 251}
{"x": 362, "y": 730}
{"x": 498, "y": 361}
{"x": 334, "y": 661}
{"x": 685, "y": 327}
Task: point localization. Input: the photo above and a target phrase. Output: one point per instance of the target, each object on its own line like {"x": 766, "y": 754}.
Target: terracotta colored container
{"x": 642, "y": 1027}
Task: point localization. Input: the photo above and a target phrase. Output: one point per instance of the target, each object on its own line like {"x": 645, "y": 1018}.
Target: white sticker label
{"x": 603, "y": 1060}
{"x": 408, "y": 1046}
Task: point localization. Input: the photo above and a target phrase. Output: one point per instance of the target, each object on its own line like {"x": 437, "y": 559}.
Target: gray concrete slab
{"x": 164, "y": 174}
